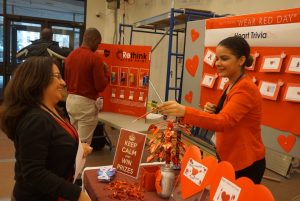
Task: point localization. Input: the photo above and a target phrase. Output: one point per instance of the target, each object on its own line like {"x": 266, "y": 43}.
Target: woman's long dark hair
{"x": 24, "y": 91}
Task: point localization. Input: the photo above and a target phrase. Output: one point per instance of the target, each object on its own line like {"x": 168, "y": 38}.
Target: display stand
{"x": 170, "y": 23}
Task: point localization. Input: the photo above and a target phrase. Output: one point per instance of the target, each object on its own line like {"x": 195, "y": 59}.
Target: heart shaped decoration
{"x": 225, "y": 196}
{"x": 286, "y": 143}
{"x": 189, "y": 97}
{"x": 194, "y": 35}
{"x": 225, "y": 187}
{"x": 196, "y": 173}
{"x": 261, "y": 192}
{"x": 192, "y": 65}
{"x": 251, "y": 191}
{"x": 223, "y": 169}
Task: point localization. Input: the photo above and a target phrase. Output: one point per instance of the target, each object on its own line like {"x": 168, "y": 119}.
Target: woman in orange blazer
{"x": 237, "y": 117}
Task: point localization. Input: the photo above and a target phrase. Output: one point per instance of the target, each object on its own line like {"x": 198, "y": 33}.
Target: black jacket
{"x": 45, "y": 156}
{"x": 39, "y": 48}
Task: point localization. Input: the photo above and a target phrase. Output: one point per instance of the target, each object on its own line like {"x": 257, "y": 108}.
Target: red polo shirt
{"x": 84, "y": 73}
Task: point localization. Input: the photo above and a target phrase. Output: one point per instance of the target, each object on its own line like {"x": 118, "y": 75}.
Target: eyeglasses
{"x": 57, "y": 75}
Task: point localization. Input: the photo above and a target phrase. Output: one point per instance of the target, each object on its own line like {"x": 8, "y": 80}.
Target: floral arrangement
{"x": 166, "y": 144}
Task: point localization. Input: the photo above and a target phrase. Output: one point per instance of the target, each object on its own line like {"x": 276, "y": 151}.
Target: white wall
{"x": 100, "y": 17}
{"x": 138, "y": 10}
{"x": 141, "y": 9}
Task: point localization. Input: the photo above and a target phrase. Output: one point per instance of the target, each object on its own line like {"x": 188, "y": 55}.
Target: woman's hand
{"x": 87, "y": 149}
{"x": 83, "y": 197}
{"x": 210, "y": 108}
{"x": 172, "y": 108}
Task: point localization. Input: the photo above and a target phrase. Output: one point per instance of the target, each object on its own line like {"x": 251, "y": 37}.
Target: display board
{"x": 202, "y": 38}
{"x": 128, "y": 88}
{"x": 195, "y": 35}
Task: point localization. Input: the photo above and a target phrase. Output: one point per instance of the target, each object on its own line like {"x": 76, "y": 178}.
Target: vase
{"x": 167, "y": 181}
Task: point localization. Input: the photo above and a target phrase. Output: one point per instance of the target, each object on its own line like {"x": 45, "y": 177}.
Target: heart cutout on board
{"x": 286, "y": 143}
{"x": 194, "y": 35}
{"x": 248, "y": 190}
{"x": 189, "y": 97}
{"x": 192, "y": 65}
{"x": 190, "y": 183}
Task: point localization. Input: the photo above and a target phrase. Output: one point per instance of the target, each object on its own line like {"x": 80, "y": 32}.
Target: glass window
{"x": 63, "y": 40}
{"x": 66, "y": 36}
{"x": 1, "y": 39}
{"x": 68, "y": 10}
{"x": 26, "y": 33}
{"x": 25, "y": 38}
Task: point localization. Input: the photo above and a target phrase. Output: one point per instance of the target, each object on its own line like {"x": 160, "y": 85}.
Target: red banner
{"x": 258, "y": 19}
{"x": 128, "y": 89}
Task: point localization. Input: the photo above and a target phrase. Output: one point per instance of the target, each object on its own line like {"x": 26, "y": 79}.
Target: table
{"x": 119, "y": 121}
{"x": 96, "y": 191}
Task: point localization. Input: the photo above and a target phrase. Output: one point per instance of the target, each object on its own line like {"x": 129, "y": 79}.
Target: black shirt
{"x": 45, "y": 157}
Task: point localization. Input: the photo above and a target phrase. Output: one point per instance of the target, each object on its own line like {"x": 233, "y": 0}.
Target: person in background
{"x": 45, "y": 143}
{"x": 44, "y": 46}
{"x": 237, "y": 117}
{"x": 86, "y": 76}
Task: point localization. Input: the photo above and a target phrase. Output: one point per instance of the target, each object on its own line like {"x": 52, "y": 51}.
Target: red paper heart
{"x": 298, "y": 93}
{"x": 286, "y": 143}
{"x": 192, "y": 65}
{"x": 189, "y": 97}
{"x": 249, "y": 191}
{"x": 188, "y": 187}
{"x": 194, "y": 35}
{"x": 223, "y": 169}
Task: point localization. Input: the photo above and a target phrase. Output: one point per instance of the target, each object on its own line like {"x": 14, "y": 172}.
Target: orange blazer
{"x": 237, "y": 126}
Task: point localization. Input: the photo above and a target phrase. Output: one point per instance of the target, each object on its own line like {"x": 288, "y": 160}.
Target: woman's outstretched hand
{"x": 172, "y": 108}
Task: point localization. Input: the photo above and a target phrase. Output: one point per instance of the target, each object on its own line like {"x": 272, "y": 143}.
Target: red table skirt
{"x": 96, "y": 190}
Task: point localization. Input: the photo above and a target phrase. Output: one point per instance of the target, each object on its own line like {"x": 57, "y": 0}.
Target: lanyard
{"x": 67, "y": 126}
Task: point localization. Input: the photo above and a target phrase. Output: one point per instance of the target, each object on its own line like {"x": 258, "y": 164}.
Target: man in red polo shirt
{"x": 86, "y": 76}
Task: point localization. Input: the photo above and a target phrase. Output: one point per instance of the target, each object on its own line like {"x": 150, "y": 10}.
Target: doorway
{"x": 21, "y": 33}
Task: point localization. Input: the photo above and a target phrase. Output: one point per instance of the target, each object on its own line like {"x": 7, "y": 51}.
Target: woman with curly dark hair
{"x": 46, "y": 144}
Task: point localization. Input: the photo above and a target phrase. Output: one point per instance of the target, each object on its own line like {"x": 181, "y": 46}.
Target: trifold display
{"x": 128, "y": 89}
{"x": 275, "y": 49}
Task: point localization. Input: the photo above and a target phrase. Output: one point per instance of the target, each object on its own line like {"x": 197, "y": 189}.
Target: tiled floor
{"x": 283, "y": 191}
